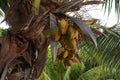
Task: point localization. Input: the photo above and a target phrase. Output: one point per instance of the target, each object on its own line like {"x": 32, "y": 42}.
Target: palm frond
{"x": 116, "y": 28}
{"x": 73, "y": 72}
{"x": 44, "y": 76}
{"x": 112, "y": 4}
{"x": 67, "y": 77}
{"x": 107, "y": 53}
{"x": 1, "y": 13}
{"x": 76, "y": 70}
{"x": 97, "y": 72}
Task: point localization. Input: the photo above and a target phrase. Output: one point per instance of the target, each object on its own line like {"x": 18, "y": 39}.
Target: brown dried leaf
{"x": 16, "y": 76}
{"x": 35, "y": 27}
{"x": 98, "y": 32}
{"x": 20, "y": 66}
{"x": 18, "y": 12}
{"x": 5, "y": 46}
{"x": 78, "y": 6}
{"x": 2, "y": 77}
{"x": 68, "y": 6}
{"x": 41, "y": 59}
{"x": 22, "y": 44}
{"x": 47, "y": 5}
{"x": 4, "y": 50}
{"x": 10, "y": 54}
{"x": 13, "y": 64}
{"x": 12, "y": 51}
{"x": 27, "y": 58}
{"x": 1, "y": 38}
{"x": 92, "y": 2}
{"x": 33, "y": 32}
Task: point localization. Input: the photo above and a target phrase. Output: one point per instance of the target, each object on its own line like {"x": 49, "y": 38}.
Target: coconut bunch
{"x": 67, "y": 35}
{"x": 24, "y": 46}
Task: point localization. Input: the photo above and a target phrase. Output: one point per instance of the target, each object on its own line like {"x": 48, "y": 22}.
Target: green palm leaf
{"x": 107, "y": 53}
{"x": 93, "y": 74}
{"x": 44, "y": 76}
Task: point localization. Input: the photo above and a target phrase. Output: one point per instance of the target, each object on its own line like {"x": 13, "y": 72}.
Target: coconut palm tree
{"x": 33, "y": 25}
